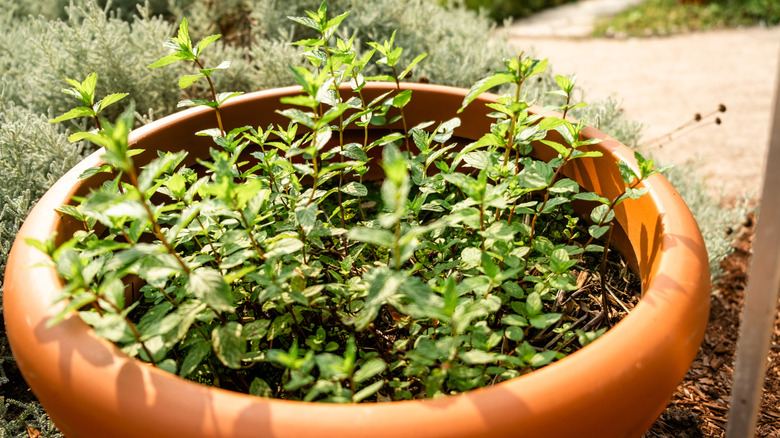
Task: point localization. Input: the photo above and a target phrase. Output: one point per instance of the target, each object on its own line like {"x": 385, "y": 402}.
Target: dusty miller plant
{"x": 274, "y": 268}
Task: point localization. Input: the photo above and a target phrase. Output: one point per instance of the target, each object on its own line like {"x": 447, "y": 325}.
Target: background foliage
{"x": 48, "y": 40}
{"x": 667, "y": 17}
{"x": 501, "y": 10}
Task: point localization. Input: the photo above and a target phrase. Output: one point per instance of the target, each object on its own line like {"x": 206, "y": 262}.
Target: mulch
{"x": 700, "y": 405}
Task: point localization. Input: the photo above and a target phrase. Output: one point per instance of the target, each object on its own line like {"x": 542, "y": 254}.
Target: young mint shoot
{"x": 183, "y": 50}
{"x": 85, "y": 93}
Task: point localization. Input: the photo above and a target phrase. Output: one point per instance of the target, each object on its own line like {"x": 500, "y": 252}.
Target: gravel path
{"x": 663, "y": 82}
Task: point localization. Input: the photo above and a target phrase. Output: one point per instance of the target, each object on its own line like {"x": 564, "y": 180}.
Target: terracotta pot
{"x": 614, "y": 387}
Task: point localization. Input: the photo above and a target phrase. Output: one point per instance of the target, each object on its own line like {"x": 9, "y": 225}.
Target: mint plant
{"x": 85, "y": 93}
{"x": 183, "y": 50}
{"x": 276, "y": 268}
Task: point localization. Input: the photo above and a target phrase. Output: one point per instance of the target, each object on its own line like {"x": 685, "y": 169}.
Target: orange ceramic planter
{"x": 615, "y": 387}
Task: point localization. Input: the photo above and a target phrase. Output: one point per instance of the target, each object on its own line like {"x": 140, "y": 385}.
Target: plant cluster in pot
{"x": 353, "y": 251}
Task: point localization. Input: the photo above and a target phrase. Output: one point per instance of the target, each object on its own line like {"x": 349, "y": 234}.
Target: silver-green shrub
{"x": 92, "y": 38}
{"x": 39, "y": 54}
{"x": 716, "y": 220}
{"x": 49, "y": 9}
{"x": 33, "y": 155}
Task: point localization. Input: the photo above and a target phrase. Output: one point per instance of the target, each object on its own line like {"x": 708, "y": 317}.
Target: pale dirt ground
{"x": 663, "y": 82}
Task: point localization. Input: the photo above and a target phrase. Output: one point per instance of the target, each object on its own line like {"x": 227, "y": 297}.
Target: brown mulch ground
{"x": 700, "y": 404}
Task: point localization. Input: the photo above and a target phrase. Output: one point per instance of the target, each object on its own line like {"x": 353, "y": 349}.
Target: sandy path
{"x": 663, "y": 82}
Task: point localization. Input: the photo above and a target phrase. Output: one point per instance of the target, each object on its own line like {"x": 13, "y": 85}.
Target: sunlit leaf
{"x": 208, "y": 285}
{"x": 228, "y": 344}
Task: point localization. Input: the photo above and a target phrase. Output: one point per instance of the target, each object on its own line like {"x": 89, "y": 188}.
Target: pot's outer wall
{"x": 615, "y": 387}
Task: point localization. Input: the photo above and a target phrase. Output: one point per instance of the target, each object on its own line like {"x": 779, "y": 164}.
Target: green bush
{"x": 500, "y": 10}
{"x": 667, "y": 17}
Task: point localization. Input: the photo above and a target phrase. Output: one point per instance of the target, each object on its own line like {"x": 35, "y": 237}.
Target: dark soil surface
{"x": 700, "y": 404}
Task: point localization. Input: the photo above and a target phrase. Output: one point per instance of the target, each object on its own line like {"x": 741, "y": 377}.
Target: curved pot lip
{"x": 681, "y": 264}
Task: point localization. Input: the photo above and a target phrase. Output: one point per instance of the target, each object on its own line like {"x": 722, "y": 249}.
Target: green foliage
{"x": 667, "y": 17}
{"x": 607, "y": 116}
{"x": 500, "y": 10}
{"x": 275, "y": 274}
{"x": 85, "y": 93}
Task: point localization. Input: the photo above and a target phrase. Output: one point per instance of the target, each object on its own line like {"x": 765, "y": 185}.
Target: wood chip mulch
{"x": 700, "y": 405}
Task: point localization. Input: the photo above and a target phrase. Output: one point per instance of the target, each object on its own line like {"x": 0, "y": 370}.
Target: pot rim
{"x": 681, "y": 261}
